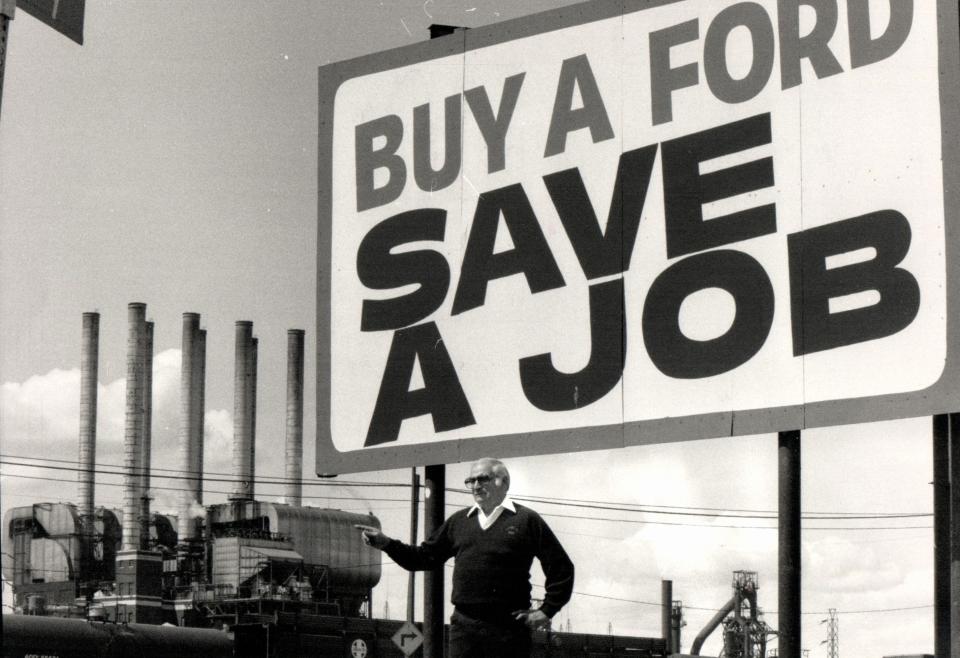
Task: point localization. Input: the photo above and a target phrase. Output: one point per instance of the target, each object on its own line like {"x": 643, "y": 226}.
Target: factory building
{"x": 206, "y": 565}
{"x": 246, "y": 577}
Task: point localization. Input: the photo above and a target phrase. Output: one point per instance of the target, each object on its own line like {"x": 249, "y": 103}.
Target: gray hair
{"x": 498, "y": 468}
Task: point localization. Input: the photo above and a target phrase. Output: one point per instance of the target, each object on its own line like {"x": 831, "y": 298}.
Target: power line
{"x": 207, "y": 491}
{"x": 560, "y": 502}
{"x": 571, "y": 502}
{"x": 548, "y": 514}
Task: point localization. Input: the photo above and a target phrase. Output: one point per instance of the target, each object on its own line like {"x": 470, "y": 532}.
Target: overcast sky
{"x": 172, "y": 160}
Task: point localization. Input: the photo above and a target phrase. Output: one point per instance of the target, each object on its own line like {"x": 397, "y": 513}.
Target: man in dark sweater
{"x": 493, "y": 543}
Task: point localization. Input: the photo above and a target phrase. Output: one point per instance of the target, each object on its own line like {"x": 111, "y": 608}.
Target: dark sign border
{"x": 941, "y": 397}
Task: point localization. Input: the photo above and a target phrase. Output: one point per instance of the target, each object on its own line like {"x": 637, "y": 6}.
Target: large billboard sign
{"x": 627, "y": 222}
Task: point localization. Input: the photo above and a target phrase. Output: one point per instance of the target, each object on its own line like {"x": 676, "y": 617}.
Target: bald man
{"x": 493, "y": 543}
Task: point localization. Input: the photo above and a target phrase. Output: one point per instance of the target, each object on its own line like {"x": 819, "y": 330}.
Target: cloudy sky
{"x": 172, "y": 160}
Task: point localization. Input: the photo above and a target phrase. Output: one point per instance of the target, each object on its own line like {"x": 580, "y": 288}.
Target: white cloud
{"x": 40, "y": 417}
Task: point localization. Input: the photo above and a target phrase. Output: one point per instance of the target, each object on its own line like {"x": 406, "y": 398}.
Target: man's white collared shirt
{"x": 487, "y": 521}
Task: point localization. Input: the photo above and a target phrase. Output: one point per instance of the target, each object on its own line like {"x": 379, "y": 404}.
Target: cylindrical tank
{"x": 76, "y": 638}
{"x": 324, "y": 537}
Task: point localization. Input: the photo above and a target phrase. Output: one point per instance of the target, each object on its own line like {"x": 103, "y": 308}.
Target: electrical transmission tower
{"x": 833, "y": 639}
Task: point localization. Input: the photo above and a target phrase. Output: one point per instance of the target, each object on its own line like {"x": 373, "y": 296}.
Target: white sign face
{"x": 408, "y": 638}
{"x": 599, "y": 227}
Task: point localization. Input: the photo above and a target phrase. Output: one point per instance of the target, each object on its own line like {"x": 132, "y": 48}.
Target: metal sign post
{"x": 433, "y": 515}
{"x": 414, "y": 513}
{"x": 941, "y": 535}
{"x": 789, "y": 521}
{"x": 954, "y": 573}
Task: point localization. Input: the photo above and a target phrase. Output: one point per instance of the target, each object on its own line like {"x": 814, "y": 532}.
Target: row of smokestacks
{"x": 138, "y": 422}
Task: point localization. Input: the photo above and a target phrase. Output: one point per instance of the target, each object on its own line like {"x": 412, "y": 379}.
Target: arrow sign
{"x": 408, "y": 638}
{"x": 65, "y": 16}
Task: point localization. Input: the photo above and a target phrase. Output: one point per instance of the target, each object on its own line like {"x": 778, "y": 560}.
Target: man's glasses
{"x": 480, "y": 479}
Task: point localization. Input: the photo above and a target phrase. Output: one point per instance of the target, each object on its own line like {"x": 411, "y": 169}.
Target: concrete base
{"x": 139, "y": 587}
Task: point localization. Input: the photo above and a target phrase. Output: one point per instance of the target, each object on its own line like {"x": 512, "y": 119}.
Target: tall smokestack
{"x": 294, "y": 442}
{"x": 89, "y": 359}
{"x": 133, "y": 425}
{"x": 242, "y": 436}
{"x": 252, "y": 356}
{"x": 146, "y": 435}
{"x": 186, "y": 443}
{"x": 666, "y": 615}
{"x": 200, "y": 377}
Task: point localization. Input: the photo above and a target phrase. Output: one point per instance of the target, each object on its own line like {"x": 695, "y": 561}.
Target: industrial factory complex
{"x": 608, "y": 225}
{"x": 259, "y": 578}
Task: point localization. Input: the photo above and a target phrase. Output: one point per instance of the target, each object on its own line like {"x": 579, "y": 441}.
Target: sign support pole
{"x": 954, "y": 534}
{"x": 414, "y": 513}
{"x": 941, "y": 535}
{"x": 433, "y": 516}
{"x": 789, "y": 532}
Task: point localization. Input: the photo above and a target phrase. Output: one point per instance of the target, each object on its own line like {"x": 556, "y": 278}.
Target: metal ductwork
{"x": 133, "y": 424}
{"x": 89, "y": 360}
{"x": 244, "y": 412}
{"x": 192, "y": 355}
{"x": 294, "y": 436}
{"x": 712, "y": 625}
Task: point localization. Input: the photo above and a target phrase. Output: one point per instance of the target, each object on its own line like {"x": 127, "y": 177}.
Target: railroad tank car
{"x": 26, "y": 636}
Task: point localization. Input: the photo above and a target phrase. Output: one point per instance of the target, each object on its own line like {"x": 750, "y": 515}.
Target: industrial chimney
{"x": 191, "y": 407}
{"x": 252, "y": 355}
{"x": 244, "y": 390}
{"x": 146, "y": 435}
{"x": 133, "y": 425}
{"x": 139, "y": 571}
{"x": 89, "y": 359}
{"x": 200, "y": 378}
{"x": 294, "y": 442}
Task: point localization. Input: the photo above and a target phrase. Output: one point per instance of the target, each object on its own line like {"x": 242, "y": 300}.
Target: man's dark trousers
{"x": 475, "y": 638}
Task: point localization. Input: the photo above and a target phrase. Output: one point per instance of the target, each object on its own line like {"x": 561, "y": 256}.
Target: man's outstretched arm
{"x": 429, "y": 555}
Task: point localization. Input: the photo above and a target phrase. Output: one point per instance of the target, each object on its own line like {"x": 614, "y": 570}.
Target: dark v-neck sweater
{"x": 492, "y": 567}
